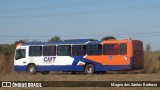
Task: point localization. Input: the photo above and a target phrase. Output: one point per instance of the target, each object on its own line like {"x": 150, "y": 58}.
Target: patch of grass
{"x": 152, "y": 62}
{"x": 6, "y": 58}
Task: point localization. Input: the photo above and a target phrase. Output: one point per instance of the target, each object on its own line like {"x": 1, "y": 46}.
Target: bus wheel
{"x": 32, "y": 69}
{"x": 45, "y": 72}
{"x": 89, "y": 69}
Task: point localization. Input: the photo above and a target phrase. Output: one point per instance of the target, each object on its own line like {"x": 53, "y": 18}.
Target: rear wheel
{"x": 32, "y": 69}
{"x": 89, "y": 69}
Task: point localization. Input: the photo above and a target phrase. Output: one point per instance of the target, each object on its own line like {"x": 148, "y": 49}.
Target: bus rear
{"x": 137, "y": 58}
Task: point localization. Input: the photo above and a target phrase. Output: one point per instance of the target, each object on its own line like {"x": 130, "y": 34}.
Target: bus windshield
{"x": 20, "y": 53}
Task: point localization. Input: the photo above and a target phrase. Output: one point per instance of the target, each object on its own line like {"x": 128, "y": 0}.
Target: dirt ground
{"x": 80, "y": 77}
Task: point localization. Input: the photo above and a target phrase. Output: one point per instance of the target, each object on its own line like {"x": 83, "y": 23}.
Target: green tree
{"x": 55, "y": 39}
{"x": 108, "y": 37}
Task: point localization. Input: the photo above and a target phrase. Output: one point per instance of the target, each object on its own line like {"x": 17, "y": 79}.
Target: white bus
{"x": 86, "y": 55}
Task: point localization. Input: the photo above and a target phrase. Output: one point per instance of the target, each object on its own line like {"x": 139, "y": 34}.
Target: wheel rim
{"x": 90, "y": 70}
{"x": 31, "y": 69}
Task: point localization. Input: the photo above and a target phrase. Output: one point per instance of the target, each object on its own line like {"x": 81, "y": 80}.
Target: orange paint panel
{"x": 105, "y": 60}
{"x": 117, "y": 60}
{"x": 19, "y": 44}
{"x": 98, "y": 59}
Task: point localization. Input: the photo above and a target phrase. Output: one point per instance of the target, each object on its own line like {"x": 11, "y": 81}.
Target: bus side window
{"x": 20, "y": 53}
{"x": 64, "y": 50}
{"x": 35, "y": 51}
{"x": 49, "y": 50}
{"x": 94, "y": 49}
{"x": 79, "y": 50}
{"x": 123, "y": 48}
{"x": 111, "y": 49}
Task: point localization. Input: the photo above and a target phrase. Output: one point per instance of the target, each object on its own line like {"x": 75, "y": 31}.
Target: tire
{"x": 45, "y": 72}
{"x": 89, "y": 69}
{"x": 32, "y": 69}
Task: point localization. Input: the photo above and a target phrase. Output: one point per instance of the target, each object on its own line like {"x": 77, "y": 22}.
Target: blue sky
{"x": 75, "y": 19}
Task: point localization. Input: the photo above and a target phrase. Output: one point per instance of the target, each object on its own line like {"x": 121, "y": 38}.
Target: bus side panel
{"x": 78, "y": 64}
{"x": 118, "y": 62}
{"x": 113, "y": 60}
{"x": 100, "y": 64}
{"x": 105, "y": 66}
{"x": 59, "y": 68}
{"x": 20, "y": 68}
{"x": 113, "y": 67}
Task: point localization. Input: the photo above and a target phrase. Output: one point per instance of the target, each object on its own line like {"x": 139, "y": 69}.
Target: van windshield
{"x": 20, "y": 53}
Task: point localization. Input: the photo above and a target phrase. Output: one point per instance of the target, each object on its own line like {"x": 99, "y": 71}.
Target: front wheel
{"x": 89, "y": 69}
{"x": 32, "y": 69}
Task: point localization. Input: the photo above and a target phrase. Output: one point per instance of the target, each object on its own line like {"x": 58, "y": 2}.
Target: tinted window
{"x": 111, "y": 49}
{"x": 123, "y": 48}
{"x": 20, "y": 53}
{"x": 49, "y": 50}
{"x": 64, "y": 50}
{"x": 79, "y": 50}
{"x": 94, "y": 49}
{"x": 35, "y": 50}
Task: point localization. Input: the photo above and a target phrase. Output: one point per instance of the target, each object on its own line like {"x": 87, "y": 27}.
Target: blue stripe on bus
{"x": 75, "y": 68}
{"x": 20, "y": 68}
{"x": 80, "y": 58}
{"x": 59, "y": 68}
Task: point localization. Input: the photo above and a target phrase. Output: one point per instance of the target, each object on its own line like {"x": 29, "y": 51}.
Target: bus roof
{"x": 74, "y": 41}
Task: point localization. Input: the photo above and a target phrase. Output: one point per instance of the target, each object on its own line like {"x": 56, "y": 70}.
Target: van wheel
{"x": 32, "y": 69}
{"x": 89, "y": 69}
{"x": 45, "y": 72}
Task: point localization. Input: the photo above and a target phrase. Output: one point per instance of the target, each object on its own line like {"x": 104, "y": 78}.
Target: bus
{"x": 79, "y": 55}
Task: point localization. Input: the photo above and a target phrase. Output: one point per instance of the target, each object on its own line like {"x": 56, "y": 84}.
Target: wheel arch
{"x": 30, "y": 64}
{"x": 89, "y": 63}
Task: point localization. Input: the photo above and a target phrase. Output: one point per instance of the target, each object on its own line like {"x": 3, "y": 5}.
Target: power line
{"x": 85, "y": 12}
{"x": 80, "y": 35}
{"x": 51, "y": 6}
{"x": 57, "y": 6}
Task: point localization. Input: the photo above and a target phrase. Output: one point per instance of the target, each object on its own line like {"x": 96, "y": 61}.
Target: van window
{"x": 123, "y": 48}
{"x": 64, "y": 50}
{"x": 94, "y": 49}
{"x": 49, "y": 50}
{"x": 79, "y": 50}
{"x": 35, "y": 51}
{"x": 111, "y": 49}
{"x": 20, "y": 53}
